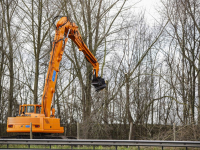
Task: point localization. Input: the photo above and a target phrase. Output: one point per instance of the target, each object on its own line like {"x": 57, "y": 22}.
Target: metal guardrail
{"x": 94, "y": 143}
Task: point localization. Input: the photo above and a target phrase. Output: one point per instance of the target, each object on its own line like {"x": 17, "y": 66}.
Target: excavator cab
{"x": 29, "y": 108}
{"x": 98, "y": 83}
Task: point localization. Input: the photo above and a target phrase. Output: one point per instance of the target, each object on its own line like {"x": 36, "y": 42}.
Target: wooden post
{"x": 174, "y": 131}
{"x": 31, "y": 135}
{"x": 131, "y": 128}
{"x": 65, "y": 131}
{"x": 78, "y": 129}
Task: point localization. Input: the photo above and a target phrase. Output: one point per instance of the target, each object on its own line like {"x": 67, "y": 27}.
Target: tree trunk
{"x": 199, "y": 91}
{"x": 37, "y": 49}
{"x": 2, "y": 59}
{"x": 106, "y": 104}
{"x": 10, "y": 57}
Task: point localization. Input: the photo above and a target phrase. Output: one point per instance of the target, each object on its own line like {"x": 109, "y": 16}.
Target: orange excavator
{"x": 42, "y": 117}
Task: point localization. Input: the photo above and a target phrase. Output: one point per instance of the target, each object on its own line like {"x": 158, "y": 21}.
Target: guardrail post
{"x": 138, "y": 147}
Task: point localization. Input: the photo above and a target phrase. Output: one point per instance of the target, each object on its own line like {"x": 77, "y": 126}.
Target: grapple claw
{"x": 98, "y": 83}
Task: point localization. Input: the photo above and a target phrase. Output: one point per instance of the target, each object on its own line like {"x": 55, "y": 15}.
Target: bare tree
{"x": 8, "y": 10}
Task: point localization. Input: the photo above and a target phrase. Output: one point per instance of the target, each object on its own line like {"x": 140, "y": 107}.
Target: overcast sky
{"x": 150, "y": 7}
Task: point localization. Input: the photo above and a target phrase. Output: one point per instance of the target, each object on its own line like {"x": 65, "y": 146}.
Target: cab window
{"x": 30, "y": 109}
{"x": 24, "y": 109}
{"x": 38, "y": 109}
{"x": 21, "y": 110}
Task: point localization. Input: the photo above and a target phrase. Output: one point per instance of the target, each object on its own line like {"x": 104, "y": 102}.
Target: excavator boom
{"x": 64, "y": 30}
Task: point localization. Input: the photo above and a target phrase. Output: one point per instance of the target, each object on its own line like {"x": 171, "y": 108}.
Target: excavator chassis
{"x": 40, "y": 124}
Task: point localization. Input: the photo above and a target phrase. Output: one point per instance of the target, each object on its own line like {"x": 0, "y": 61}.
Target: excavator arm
{"x": 64, "y": 30}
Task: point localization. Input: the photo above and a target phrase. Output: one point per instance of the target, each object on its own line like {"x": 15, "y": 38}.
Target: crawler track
{"x": 37, "y": 137}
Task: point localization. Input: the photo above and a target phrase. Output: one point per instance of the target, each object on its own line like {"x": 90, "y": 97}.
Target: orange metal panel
{"x": 44, "y": 124}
